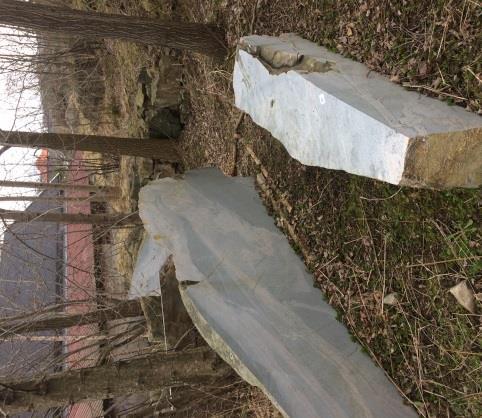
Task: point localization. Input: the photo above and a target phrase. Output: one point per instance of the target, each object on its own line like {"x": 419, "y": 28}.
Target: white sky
{"x": 16, "y": 163}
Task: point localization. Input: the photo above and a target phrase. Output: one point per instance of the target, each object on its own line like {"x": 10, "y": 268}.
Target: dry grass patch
{"x": 365, "y": 240}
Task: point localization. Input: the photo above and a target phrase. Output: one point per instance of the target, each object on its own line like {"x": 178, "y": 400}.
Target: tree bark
{"x": 55, "y": 338}
{"x": 121, "y": 378}
{"x": 59, "y": 320}
{"x": 101, "y": 190}
{"x": 205, "y": 39}
{"x": 163, "y": 149}
{"x": 60, "y": 200}
{"x": 72, "y": 218}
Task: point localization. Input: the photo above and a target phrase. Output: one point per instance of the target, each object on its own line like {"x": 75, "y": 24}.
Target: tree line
{"x": 194, "y": 366}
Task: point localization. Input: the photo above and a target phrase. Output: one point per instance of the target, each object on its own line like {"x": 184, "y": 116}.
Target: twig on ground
{"x": 378, "y": 199}
{"x": 254, "y": 16}
{"x": 412, "y": 86}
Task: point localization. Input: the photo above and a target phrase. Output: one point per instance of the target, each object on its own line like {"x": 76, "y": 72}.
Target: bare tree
{"x": 72, "y": 218}
{"x": 164, "y": 149}
{"x": 58, "y": 199}
{"x": 205, "y": 39}
{"x": 54, "y": 320}
{"x": 200, "y": 365}
{"x": 101, "y": 190}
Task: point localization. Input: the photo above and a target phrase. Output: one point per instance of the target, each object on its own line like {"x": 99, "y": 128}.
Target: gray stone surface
{"x": 333, "y": 112}
{"x": 253, "y": 301}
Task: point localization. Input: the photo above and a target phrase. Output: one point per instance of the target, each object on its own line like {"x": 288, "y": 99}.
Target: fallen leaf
{"x": 464, "y": 295}
{"x": 391, "y": 299}
{"x": 423, "y": 68}
{"x": 395, "y": 78}
{"x": 436, "y": 82}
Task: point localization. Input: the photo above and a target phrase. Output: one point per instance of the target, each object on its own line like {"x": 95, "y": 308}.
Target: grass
{"x": 362, "y": 239}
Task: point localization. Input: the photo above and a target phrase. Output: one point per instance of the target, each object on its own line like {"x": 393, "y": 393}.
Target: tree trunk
{"x": 60, "y": 199}
{"x": 72, "y": 218}
{"x": 205, "y": 39}
{"x": 59, "y": 320}
{"x": 163, "y": 149}
{"x": 101, "y": 190}
{"x": 68, "y": 339}
{"x": 121, "y": 378}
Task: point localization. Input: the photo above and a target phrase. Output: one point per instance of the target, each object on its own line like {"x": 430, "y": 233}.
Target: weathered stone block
{"x": 332, "y": 112}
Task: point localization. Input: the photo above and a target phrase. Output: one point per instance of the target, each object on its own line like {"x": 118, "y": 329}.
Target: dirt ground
{"x": 363, "y": 240}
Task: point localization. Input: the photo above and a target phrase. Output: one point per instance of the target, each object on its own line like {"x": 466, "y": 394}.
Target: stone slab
{"x": 253, "y": 301}
{"x": 332, "y": 112}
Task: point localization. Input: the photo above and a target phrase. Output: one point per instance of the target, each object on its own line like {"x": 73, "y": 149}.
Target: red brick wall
{"x": 80, "y": 282}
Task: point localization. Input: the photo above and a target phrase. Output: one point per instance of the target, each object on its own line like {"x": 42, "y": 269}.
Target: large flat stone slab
{"x": 253, "y": 301}
{"x": 332, "y": 112}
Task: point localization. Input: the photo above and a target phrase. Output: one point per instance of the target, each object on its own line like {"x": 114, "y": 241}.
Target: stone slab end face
{"x": 332, "y": 112}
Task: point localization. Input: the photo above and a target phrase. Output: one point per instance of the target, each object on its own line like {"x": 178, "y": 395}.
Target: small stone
{"x": 464, "y": 295}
